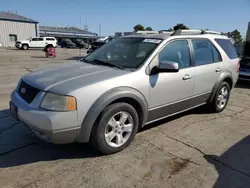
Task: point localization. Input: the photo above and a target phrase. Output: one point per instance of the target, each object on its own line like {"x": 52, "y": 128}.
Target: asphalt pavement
{"x": 192, "y": 149}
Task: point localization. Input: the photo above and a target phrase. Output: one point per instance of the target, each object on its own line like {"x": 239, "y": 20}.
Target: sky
{"x": 123, "y": 15}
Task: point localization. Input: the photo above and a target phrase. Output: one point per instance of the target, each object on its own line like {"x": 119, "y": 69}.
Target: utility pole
{"x": 80, "y": 22}
{"x": 99, "y": 30}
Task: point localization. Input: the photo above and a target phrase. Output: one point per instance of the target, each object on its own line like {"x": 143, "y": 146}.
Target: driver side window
{"x": 176, "y": 51}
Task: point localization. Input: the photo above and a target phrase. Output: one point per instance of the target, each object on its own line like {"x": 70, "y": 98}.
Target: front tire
{"x": 115, "y": 128}
{"x": 221, "y": 98}
{"x": 25, "y": 47}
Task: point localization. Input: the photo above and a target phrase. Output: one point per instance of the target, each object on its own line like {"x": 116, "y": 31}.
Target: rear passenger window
{"x": 40, "y": 39}
{"x": 228, "y": 48}
{"x": 216, "y": 54}
{"x": 178, "y": 52}
{"x": 205, "y": 52}
{"x": 50, "y": 39}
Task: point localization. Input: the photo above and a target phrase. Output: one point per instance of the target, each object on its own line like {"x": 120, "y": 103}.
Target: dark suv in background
{"x": 80, "y": 43}
{"x": 98, "y": 43}
{"x": 244, "y": 53}
{"x": 67, "y": 43}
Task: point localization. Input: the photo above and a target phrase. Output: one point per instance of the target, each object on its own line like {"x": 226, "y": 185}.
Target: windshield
{"x": 124, "y": 52}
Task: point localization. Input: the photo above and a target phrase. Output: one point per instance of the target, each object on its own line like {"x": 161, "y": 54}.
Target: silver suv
{"x": 126, "y": 84}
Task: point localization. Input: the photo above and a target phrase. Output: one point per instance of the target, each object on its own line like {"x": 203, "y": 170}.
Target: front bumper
{"x": 55, "y": 127}
{"x": 244, "y": 76}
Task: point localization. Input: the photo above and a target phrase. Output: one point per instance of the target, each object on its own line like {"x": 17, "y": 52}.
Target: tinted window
{"x": 216, "y": 54}
{"x": 228, "y": 47}
{"x": 203, "y": 52}
{"x": 35, "y": 39}
{"x": 178, "y": 52}
{"x": 50, "y": 39}
{"x": 40, "y": 39}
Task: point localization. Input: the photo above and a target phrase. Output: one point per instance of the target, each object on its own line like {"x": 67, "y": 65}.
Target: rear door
{"x": 208, "y": 66}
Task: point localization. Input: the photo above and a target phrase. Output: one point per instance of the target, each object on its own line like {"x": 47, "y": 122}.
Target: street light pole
{"x": 99, "y": 30}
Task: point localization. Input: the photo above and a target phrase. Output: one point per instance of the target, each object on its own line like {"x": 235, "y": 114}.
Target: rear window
{"x": 228, "y": 48}
{"x": 50, "y": 39}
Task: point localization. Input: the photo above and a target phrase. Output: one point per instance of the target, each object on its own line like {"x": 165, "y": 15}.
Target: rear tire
{"x": 221, "y": 98}
{"x": 115, "y": 128}
{"x": 25, "y": 47}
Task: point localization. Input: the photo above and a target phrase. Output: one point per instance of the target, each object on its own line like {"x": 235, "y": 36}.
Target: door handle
{"x": 187, "y": 77}
{"x": 218, "y": 69}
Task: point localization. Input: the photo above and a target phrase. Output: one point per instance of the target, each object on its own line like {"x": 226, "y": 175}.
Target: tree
{"x": 139, "y": 27}
{"x": 149, "y": 29}
{"x": 180, "y": 26}
{"x": 236, "y": 36}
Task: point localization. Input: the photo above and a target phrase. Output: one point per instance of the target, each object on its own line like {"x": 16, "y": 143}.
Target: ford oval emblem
{"x": 23, "y": 90}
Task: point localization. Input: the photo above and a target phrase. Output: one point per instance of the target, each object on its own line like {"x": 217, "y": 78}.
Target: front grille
{"x": 27, "y": 92}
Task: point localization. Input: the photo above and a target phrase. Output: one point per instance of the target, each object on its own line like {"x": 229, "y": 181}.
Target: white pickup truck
{"x": 36, "y": 42}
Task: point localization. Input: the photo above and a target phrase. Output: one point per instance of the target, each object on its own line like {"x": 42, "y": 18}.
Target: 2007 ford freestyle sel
{"x": 125, "y": 84}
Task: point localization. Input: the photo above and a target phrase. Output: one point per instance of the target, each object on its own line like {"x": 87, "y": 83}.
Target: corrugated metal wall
{"x": 21, "y": 29}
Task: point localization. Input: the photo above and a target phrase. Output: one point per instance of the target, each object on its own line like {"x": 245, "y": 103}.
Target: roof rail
{"x": 194, "y": 32}
{"x": 147, "y": 32}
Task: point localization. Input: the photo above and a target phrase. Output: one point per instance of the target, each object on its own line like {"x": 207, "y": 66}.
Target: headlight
{"x": 58, "y": 102}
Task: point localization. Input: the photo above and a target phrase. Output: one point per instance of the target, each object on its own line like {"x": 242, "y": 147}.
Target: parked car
{"x": 80, "y": 43}
{"x": 126, "y": 84}
{"x": 36, "y": 42}
{"x": 98, "y": 43}
{"x": 67, "y": 43}
{"x": 245, "y": 63}
{"x": 95, "y": 45}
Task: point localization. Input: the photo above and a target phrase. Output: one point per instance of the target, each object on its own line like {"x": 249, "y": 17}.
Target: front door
{"x": 208, "y": 66}
{"x": 172, "y": 92}
{"x": 33, "y": 42}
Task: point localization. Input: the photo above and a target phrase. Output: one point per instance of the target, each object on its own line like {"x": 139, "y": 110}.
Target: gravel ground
{"x": 193, "y": 149}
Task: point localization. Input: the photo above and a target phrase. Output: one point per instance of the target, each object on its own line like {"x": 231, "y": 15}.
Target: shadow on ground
{"x": 18, "y": 146}
{"x": 243, "y": 84}
{"x": 233, "y": 166}
{"x": 42, "y": 57}
{"x": 34, "y": 150}
{"x": 75, "y": 58}
{"x": 30, "y": 49}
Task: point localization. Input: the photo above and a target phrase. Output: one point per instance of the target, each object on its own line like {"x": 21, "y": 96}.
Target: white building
{"x": 14, "y": 27}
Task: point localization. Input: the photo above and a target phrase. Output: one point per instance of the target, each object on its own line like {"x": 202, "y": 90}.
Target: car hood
{"x": 71, "y": 76}
{"x": 23, "y": 41}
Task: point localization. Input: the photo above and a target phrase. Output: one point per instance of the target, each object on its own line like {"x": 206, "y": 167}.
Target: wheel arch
{"x": 120, "y": 94}
{"x": 224, "y": 77}
{"x": 26, "y": 44}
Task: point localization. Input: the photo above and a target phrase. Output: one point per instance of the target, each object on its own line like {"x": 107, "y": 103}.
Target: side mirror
{"x": 168, "y": 66}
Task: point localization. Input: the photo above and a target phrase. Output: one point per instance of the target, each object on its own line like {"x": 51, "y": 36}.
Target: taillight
{"x": 238, "y": 67}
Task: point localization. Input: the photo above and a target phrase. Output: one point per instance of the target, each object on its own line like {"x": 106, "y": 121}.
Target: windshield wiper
{"x": 108, "y": 63}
